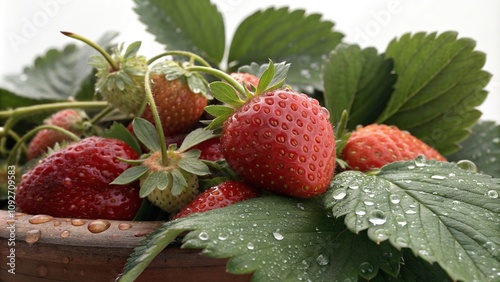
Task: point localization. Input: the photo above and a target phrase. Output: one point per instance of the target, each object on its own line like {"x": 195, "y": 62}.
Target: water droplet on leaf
{"x": 377, "y": 217}
{"x": 467, "y": 165}
{"x": 203, "y": 236}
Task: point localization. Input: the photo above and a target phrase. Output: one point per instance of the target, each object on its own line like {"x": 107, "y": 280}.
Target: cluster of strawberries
{"x": 270, "y": 136}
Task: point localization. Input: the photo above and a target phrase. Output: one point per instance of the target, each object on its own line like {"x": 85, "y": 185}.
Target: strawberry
{"x": 222, "y": 195}
{"x": 120, "y": 75}
{"x": 281, "y": 140}
{"x": 168, "y": 177}
{"x": 75, "y": 182}
{"x": 164, "y": 195}
{"x": 210, "y": 150}
{"x": 376, "y": 145}
{"x": 273, "y": 137}
{"x": 68, "y": 119}
{"x": 179, "y": 98}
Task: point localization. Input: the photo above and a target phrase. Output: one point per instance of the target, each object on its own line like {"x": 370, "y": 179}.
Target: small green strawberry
{"x": 120, "y": 76}
{"x": 376, "y": 145}
{"x": 168, "y": 179}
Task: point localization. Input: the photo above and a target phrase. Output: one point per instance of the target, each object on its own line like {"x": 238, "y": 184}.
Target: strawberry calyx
{"x": 176, "y": 70}
{"x": 120, "y": 75}
{"x": 233, "y": 94}
{"x": 157, "y": 172}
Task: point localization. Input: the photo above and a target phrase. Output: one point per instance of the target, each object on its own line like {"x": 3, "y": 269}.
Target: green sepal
{"x": 146, "y": 133}
{"x": 221, "y": 113}
{"x": 178, "y": 182}
{"x": 265, "y": 78}
{"x": 194, "y": 166}
{"x": 132, "y": 49}
{"x": 154, "y": 180}
{"x": 196, "y": 137}
{"x": 224, "y": 93}
{"x": 130, "y": 175}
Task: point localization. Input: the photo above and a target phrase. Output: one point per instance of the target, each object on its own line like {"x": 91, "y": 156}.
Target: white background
{"x": 30, "y": 27}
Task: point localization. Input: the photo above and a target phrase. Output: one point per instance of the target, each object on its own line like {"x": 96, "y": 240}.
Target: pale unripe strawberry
{"x": 165, "y": 200}
{"x": 122, "y": 87}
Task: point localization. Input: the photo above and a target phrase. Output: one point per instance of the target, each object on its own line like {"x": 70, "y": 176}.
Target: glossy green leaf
{"x": 444, "y": 214}
{"x": 482, "y": 147}
{"x": 288, "y": 36}
{"x": 439, "y": 78}
{"x": 197, "y": 27}
{"x": 359, "y": 81}
{"x": 276, "y": 239}
{"x": 146, "y": 133}
{"x": 58, "y": 74}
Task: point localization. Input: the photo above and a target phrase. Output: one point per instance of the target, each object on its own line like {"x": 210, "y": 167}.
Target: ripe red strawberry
{"x": 68, "y": 119}
{"x": 283, "y": 141}
{"x": 249, "y": 79}
{"x": 222, "y": 195}
{"x": 210, "y": 149}
{"x": 376, "y": 145}
{"x": 179, "y": 105}
{"x": 74, "y": 182}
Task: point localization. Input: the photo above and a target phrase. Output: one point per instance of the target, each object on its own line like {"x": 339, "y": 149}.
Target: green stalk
{"x": 32, "y": 132}
{"x": 17, "y": 114}
{"x": 102, "y": 114}
{"x": 156, "y": 117}
{"x": 220, "y": 74}
{"x": 94, "y": 45}
{"x": 16, "y": 138}
{"x": 192, "y": 56}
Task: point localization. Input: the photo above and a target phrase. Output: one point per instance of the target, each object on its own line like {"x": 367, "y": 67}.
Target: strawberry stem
{"x": 180, "y": 53}
{"x": 102, "y": 114}
{"x": 220, "y": 74}
{"x": 156, "y": 117}
{"x": 94, "y": 45}
{"x": 32, "y": 132}
{"x": 14, "y": 136}
{"x": 17, "y": 114}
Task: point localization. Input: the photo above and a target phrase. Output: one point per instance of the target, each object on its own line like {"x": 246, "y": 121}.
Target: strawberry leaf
{"x": 183, "y": 26}
{"x": 58, "y": 74}
{"x": 440, "y": 80}
{"x": 443, "y": 213}
{"x": 284, "y": 35}
{"x": 359, "y": 81}
{"x": 482, "y": 147}
{"x": 276, "y": 238}
{"x": 146, "y": 133}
